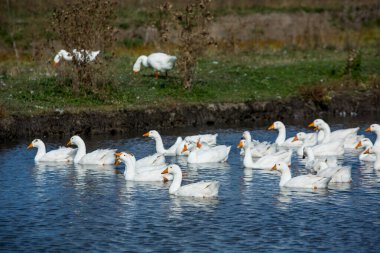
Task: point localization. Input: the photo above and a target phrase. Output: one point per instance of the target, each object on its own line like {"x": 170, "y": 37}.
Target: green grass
{"x": 247, "y": 76}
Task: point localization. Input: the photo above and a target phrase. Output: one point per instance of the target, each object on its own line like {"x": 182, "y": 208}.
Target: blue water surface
{"x": 88, "y": 208}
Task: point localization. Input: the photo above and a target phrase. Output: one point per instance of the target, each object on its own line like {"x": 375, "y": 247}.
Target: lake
{"x": 88, "y": 208}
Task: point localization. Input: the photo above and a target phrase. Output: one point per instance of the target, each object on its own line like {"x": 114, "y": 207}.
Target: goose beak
{"x": 271, "y": 127}
{"x": 55, "y": 64}
{"x": 240, "y": 145}
{"x": 165, "y": 171}
{"x": 30, "y": 146}
{"x": 358, "y": 145}
{"x": 366, "y": 151}
{"x": 368, "y": 129}
{"x": 199, "y": 145}
{"x": 312, "y": 124}
{"x": 117, "y": 162}
{"x": 274, "y": 167}
{"x": 69, "y": 143}
{"x": 146, "y": 134}
{"x": 118, "y": 154}
{"x": 295, "y": 138}
{"x": 184, "y": 148}
{"x": 135, "y": 72}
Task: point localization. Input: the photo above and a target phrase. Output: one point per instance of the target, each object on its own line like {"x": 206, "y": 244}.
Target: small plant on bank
{"x": 189, "y": 28}
{"x": 85, "y": 25}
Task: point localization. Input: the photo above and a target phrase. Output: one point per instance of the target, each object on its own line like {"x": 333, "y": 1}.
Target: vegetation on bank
{"x": 248, "y": 76}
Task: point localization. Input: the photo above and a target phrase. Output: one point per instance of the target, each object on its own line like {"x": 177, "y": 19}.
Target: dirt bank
{"x": 134, "y": 122}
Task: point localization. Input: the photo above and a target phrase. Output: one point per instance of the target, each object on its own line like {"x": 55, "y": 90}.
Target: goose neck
{"x": 285, "y": 177}
{"x": 176, "y": 184}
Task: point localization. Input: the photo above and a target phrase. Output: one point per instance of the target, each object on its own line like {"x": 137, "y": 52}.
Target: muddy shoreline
{"x": 132, "y": 122}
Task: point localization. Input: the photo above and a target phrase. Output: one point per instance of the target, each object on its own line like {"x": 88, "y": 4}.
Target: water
{"x": 68, "y": 208}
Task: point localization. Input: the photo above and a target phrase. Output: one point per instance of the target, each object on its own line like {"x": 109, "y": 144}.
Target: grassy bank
{"x": 221, "y": 77}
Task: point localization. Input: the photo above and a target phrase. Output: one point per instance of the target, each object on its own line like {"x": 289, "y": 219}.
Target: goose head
{"x": 123, "y": 157}
{"x": 59, "y": 55}
{"x": 373, "y": 128}
{"x": 74, "y": 140}
{"x": 299, "y": 137}
{"x": 152, "y": 133}
{"x": 276, "y": 125}
{"x": 243, "y": 144}
{"x": 172, "y": 169}
{"x": 246, "y": 135}
{"x": 281, "y": 167}
{"x": 35, "y": 144}
{"x": 365, "y": 142}
{"x": 317, "y": 124}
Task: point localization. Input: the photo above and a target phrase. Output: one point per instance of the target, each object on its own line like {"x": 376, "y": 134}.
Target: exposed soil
{"x": 221, "y": 115}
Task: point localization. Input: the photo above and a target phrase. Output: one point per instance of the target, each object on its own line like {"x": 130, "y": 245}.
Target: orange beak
{"x": 274, "y": 167}
{"x": 165, "y": 171}
{"x": 240, "y": 145}
{"x": 69, "y": 143}
{"x": 366, "y": 151}
{"x": 118, "y": 154}
{"x": 358, "y": 145}
{"x": 184, "y": 148}
{"x": 146, "y": 134}
{"x": 199, "y": 145}
{"x": 312, "y": 124}
{"x": 30, "y": 146}
{"x": 295, "y": 138}
{"x": 368, "y": 129}
{"x": 135, "y": 72}
{"x": 117, "y": 162}
{"x": 271, "y": 127}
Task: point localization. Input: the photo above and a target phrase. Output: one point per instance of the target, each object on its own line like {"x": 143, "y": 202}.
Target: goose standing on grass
{"x": 202, "y": 189}
{"x": 160, "y": 62}
{"x": 305, "y": 181}
{"x": 131, "y": 173}
{"x": 281, "y": 138}
{"x": 376, "y": 129}
{"x": 62, "y": 154}
{"x": 265, "y": 162}
{"x": 80, "y": 56}
{"x": 160, "y": 145}
{"x": 97, "y": 157}
{"x": 366, "y": 143}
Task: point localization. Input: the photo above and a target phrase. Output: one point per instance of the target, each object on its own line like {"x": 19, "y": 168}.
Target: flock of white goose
{"x": 321, "y": 149}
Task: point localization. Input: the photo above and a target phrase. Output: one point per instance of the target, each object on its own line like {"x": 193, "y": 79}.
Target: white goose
{"x": 203, "y": 189}
{"x": 281, "y": 138}
{"x": 374, "y": 150}
{"x": 338, "y": 174}
{"x": 160, "y": 62}
{"x": 376, "y": 129}
{"x": 308, "y": 140}
{"x": 215, "y": 154}
{"x": 62, "y": 154}
{"x": 304, "y": 181}
{"x": 160, "y": 145}
{"x": 141, "y": 174}
{"x": 151, "y": 160}
{"x": 209, "y": 139}
{"x": 80, "y": 56}
{"x": 258, "y": 149}
{"x": 366, "y": 143}
{"x": 98, "y": 157}
{"x": 348, "y": 136}
{"x": 265, "y": 162}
